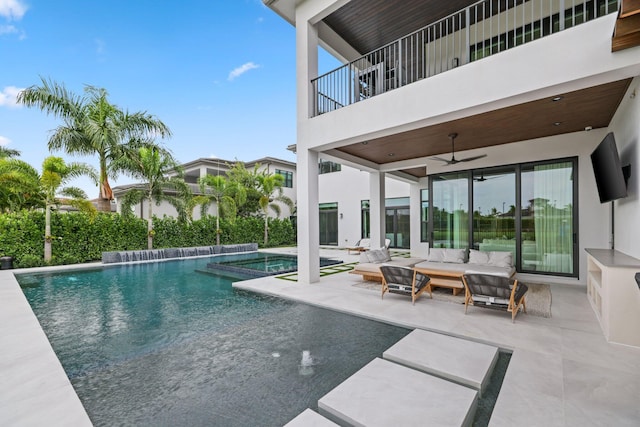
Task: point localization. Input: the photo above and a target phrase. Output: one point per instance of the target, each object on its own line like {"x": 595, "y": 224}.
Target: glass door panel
{"x": 451, "y": 211}
{"x": 329, "y": 224}
{"x": 547, "y": 218}
{"x": 494, "y": 210}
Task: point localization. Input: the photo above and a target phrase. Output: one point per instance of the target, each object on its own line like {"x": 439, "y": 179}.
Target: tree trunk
{"x": 103, "y": 205}
{"x": 47, "y": 234}
{"x": 150, "y": 231}
{"x": 266, "y": 229}
{"x": 217, "y": 224}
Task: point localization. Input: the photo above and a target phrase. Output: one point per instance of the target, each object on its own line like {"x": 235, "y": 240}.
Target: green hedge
{"x": 78, "y": 237}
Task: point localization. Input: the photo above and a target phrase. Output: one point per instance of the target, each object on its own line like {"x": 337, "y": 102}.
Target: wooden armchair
{"x": 404, "y": 281}
{"x": 484, "y": 290}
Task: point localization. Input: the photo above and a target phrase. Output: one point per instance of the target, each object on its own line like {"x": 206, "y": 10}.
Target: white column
{"x": 308, "y": 215}
{"x": 377, "y": 208}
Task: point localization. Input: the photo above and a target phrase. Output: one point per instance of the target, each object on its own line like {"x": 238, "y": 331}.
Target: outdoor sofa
{"x": 445, "y": 267}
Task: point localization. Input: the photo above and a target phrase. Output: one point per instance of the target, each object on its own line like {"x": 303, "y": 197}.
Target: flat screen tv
{"x": 608, "y": 171}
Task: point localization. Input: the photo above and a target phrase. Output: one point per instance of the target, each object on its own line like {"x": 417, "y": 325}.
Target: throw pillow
{"x": 454, "y": 256}
{"x": 379, "y": 255}
{"x": 435, "y": 255}
{"x": 501, "y": 259}
{"x": 478, "y": 257}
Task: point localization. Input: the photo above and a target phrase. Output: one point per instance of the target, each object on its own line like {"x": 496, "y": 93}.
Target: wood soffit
{"x": 368, "y": 24}
{"x": 576, "y": 110}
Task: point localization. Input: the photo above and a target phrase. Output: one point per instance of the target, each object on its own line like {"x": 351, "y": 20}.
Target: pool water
{"x": 161, "y": 344}
{"x": 260, "y": 264}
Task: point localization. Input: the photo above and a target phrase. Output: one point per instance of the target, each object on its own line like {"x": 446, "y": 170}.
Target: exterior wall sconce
{"x": 341, "y": 216}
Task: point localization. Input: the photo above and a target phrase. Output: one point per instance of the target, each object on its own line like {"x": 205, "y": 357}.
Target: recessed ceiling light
{"x": 391, "y": 154}
{"x": 365, "y": 142}
{"x": 557, "y": 98}
{"x": 557, "y": 123}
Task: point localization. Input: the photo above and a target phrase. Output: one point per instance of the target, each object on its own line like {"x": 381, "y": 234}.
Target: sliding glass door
{"x": 547, "y": 218}
{"x": 494, "y": 210}
{"x": 526, "y": 209}
{"x": 450, "y": 211}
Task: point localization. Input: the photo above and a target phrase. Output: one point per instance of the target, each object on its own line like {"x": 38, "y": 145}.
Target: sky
{"x": 219, "y": 73}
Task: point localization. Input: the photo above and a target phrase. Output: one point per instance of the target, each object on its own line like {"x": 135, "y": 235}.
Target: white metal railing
{"x": 482, "y": 29}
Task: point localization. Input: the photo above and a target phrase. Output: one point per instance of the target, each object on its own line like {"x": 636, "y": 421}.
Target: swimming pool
{"x": 260, "y": 264}
{"x": 161, "y": 344}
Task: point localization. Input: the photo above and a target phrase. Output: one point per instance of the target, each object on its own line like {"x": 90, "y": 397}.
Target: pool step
{"x": 464, "y": 362}
{"x": 310, "y": 418}
{"x": 384, "y": 393}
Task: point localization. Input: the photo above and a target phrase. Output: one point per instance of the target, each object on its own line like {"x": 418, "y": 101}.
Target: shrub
{"x": 80, "y": 237}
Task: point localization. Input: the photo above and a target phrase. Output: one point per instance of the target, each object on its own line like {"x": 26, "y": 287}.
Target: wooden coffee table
{"x": 444, "y": 279}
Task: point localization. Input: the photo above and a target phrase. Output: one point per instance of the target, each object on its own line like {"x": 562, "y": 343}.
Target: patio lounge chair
{"x": 485, "y": 290}
{"x": 404, "y": 281}
{"x": 364, "y": 245}
{"x": 360, "y": 246}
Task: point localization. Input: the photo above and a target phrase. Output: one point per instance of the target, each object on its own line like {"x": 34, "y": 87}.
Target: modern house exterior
{"x": 521, "y": 91}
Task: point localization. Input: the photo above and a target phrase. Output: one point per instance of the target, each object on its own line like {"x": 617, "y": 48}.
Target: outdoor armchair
{"x": 484, "y": 290}
{"x": 404, "y": 281}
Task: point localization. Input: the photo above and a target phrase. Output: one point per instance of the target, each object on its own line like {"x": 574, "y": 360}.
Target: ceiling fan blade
{"x": 469, "y": 159}
{"x": 441, "y": 159}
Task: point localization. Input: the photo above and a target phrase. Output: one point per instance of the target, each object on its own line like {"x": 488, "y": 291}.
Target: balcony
{"x": 483, "y": 29}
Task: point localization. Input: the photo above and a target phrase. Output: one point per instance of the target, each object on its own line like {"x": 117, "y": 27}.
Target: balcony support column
{"x": 377, "y": 209}
{"x": 308, "y": 217}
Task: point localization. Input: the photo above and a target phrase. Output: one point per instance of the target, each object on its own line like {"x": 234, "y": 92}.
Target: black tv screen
{"x": 608, "y": 171}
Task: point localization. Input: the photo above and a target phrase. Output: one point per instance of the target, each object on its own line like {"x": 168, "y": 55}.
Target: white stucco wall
{"x": 626, "y": 128}
{"x": 348, "y": 188}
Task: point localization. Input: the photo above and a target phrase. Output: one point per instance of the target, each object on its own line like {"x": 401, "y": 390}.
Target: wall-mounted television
{"x": 608, "y": 171}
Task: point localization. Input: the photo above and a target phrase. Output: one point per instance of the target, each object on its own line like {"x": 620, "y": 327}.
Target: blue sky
{"x": 219, "y": 73}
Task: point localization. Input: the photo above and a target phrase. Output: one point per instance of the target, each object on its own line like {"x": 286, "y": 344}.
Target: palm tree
{"x": 19, "y": 182}
{"x": 270, "y": 188}
{"x": 93, "y": 126}
{"x": 152, "y": 164}
{"x": 226, "y": 194}
{"x": 55, "y": 174}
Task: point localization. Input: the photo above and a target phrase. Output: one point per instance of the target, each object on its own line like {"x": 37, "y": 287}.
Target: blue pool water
{"x": 260, "y": 264}
{"x": 161, "y": 344}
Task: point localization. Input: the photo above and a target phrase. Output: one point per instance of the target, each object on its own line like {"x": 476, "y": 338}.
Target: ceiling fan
{"x": 453, "y": 159}
{"x": 482, "y": 178}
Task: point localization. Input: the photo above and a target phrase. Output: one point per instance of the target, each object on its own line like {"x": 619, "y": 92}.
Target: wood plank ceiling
{"x": 368, "y": 24}
{"x": 573, "y": 112}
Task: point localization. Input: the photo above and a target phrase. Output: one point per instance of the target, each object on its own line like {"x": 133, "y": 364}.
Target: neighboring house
{"x": 209, "y": 166}
{"x": 530, "y": 89}
{"x": 343, "y": 205}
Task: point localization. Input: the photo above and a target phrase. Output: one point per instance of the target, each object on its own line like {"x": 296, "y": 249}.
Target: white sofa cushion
{"x": 467, "y": 268}
{"x": 375, "y": 256}
{"x": 436, "y": 255}
{"x": 478, "y": 257}
{"x": 455, "y": 256}
{"x": 501, "y": 259}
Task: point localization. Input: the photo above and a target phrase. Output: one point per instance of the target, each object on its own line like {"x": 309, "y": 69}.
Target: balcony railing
{"x": 482, "y": 29}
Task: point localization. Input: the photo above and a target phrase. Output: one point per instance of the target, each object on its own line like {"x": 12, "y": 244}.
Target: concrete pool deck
{"x": 562, "y": 371}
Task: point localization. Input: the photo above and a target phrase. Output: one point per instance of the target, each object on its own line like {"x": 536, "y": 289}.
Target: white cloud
{"x": 12, "y": 10}
{"x": 8, "y": 96}
{"x": 4, "y": 141}
{"x": 237, "y": 72}
{"x": 8, "y": 29}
